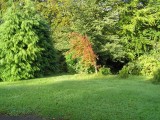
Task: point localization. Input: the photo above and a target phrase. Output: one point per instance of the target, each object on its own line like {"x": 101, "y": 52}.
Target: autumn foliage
{"x": 81, "y": 50}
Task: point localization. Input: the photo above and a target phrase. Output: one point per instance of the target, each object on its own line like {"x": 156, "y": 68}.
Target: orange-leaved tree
{"x": 81, "y": 52}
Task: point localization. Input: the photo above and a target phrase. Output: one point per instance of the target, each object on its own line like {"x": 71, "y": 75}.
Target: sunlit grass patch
{"x": 82, "y": 97}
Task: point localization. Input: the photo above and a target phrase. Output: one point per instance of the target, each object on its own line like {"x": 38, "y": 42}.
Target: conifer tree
{"x": 26, "y": 50}
{"x": 139, "y": 23}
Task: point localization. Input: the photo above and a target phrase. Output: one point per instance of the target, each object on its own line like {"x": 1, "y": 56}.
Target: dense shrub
{"x": 77, "y": 66}
{"x": 124, "y": 72}
{"x": 144, "y": 65}
{"x": 104, "y": 71}
{"x": 156, "y": 75}
{"x": 134, "y": 68}
{"x": 70, "y": 63}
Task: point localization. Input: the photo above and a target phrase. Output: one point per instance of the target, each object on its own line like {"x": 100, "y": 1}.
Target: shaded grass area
{"x": 78, "y": 97}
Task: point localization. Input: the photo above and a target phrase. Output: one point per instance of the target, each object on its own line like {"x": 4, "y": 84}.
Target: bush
{"x": 70, "y": 63}
{"x": 156, "y": 76}
{"x": 144, "y": 65}
{"x": 104, "y": 71}
{"x": 134, "y": 68}
{"x": 149, "y": 64}
{"x": 124, "y": 73}
{"x": 76, "y": 65}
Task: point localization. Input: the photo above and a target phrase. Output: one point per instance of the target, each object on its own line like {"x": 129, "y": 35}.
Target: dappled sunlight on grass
{"x": 58, "y": 79}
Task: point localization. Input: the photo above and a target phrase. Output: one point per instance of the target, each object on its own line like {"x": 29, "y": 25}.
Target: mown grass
{"x": 78, "y": 97}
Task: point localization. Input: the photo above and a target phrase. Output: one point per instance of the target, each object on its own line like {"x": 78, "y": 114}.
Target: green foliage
{"x": 124, "y": 72}
{"x": 58, "y": 14}
{"x": 26, "y": 48}
{"x": 148, "y": 64}
{"x": 120, "y": 31}
{"x": 70, "y": 63}
{"x": 144, "y": 65}
{"x": 98, "y": 19}
{"x": 104, "y": 71}
{"x": 156, "y": 76}
{"x": 139, "y": 28}
{"x": 134, "y": 68}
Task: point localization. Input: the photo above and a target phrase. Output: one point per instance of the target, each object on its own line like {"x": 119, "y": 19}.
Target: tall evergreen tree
{"x": 139, "y": 24}
{"x": 26, "y": 50}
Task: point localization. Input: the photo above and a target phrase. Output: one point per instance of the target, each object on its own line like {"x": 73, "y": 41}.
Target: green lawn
{"x": 78, "y": 97}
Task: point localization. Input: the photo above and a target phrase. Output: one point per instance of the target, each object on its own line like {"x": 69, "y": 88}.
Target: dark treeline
{"x": 41, "y": 37}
